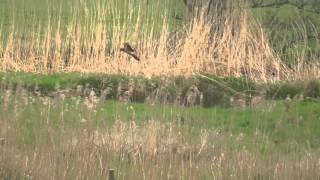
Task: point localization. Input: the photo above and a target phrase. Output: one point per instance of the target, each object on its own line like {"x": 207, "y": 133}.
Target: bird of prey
{"x": 130, "y": 51}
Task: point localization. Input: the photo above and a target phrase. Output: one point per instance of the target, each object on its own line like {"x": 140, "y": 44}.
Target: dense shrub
{"x": 312, "y": 89}
{"x": 283, "y": 90}
{"x": 213, "y": 95}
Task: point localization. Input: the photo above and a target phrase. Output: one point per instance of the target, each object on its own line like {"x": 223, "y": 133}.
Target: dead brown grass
{"x": 239, "y": 47}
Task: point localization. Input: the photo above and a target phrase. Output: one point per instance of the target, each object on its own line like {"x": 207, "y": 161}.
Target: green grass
{"x": 59, "y": 133}
{"x": 156, "y": 141}
{"x": 48, "y": 83}
{"x": 271, "y": 117}
{"x": 216, "y": 90}
{"x": 299, "y": 123}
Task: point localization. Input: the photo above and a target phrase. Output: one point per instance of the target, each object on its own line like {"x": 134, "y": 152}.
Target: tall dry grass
{"x": 92, "y": 41}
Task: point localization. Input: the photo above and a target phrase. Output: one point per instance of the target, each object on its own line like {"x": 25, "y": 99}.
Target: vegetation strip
{"x": 66, "y": 138}
{"x": 214, "y": 90}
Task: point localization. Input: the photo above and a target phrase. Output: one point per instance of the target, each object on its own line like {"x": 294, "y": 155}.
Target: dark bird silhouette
{"x": 177, "y": 17}
{"x": 130, "y": 51}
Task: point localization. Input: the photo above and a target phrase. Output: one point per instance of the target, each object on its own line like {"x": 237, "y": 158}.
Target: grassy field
{"x": 78, "y": 138}
{"x": 236, "y": 97}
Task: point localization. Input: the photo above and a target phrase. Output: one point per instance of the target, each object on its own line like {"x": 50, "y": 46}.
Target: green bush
{"x": 213, "y": 96}
{"x": 283, "y": 90}
{"x": 312, "y": 89}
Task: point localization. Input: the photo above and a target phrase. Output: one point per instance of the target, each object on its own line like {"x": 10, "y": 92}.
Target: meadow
{"x": 81, "y": 138}
{"x": 236, "y": 96}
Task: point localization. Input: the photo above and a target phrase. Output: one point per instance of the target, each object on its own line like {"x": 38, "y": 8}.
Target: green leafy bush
{"x": 312, "y": 89}
{"x": 283, "y": 90}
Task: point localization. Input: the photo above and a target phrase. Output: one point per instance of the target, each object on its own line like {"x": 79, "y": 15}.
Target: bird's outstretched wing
{"x": 128, "y": 47}
{"x": 130, "y": 51}
{"x": 133, "y": 55}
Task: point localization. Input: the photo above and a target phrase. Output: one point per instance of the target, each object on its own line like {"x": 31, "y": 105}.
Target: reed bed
{"x": 230, "y": 44}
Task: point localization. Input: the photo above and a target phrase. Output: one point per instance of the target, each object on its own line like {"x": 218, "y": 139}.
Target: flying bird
{"x": 130, "y": 51}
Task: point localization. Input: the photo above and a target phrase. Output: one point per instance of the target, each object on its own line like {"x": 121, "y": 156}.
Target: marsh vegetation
{"x": 221, "y": 90}
{"x": 80, "y": 138}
